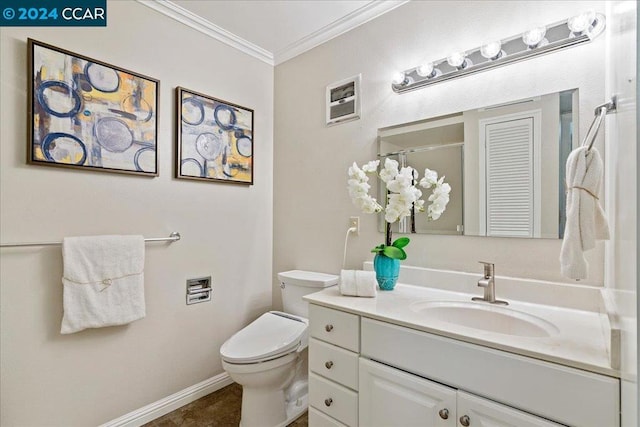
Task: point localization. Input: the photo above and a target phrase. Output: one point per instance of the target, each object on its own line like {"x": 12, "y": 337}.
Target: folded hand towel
{"x": 347, "y": 284}
{"x": 586, "y": 221}
{"x": 103, "y": 281}
{"x": 366, "y": 283}
{"x": 358, "y": 283}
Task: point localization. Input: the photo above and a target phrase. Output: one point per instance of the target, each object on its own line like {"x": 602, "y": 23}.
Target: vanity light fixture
{"x": 536, "y": 41}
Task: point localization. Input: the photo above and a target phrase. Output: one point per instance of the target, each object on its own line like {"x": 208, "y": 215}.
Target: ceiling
{"x": 273, "y": 30}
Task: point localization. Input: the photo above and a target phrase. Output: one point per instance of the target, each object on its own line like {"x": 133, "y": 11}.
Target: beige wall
{"x": 311, "y": 203}
{"x": 97, "y": 375}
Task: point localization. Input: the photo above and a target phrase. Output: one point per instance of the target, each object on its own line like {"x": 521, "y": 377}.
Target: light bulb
{"x": 597, "y": 28}
{"x": 492, "y": 50}
{"x": 399, "y": 78}
{"x": 581, "y": 23}
{"x": 425, "y": 70}
{"x": 534, "y": 37}
{"x": 457, "y": 60}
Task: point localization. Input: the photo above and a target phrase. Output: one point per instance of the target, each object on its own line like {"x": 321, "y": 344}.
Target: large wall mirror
{"x": 505, "y": 164}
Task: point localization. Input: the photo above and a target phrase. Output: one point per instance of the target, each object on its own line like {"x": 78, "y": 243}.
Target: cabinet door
{"x": 390, "y": 397}
{"x": 487, "y": 413}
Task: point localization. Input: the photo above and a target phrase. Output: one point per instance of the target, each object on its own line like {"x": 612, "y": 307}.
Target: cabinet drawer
{"x": 334, "y": 363}
{"x": 335, "y": 327}
{"x": 318, "y": 419}
{"x": 333, "y": 399}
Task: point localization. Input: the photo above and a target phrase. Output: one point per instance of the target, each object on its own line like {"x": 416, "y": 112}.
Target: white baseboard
{"x": 170, "y": 403}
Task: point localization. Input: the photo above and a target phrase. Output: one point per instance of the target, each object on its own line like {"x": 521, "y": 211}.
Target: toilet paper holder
{"x": 199, "y": 290}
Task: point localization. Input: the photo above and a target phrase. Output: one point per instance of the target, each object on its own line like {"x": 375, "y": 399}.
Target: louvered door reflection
{"x": 509, "y": 178}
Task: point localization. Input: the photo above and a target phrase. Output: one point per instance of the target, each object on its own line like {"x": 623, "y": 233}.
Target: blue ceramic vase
{"x": 387, "y": 271}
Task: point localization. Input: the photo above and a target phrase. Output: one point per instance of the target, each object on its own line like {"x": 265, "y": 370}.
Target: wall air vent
{"x": 343, "y": 100}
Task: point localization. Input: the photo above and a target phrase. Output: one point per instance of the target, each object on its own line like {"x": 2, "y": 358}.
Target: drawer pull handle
{"x": 444, "y": 413}
{"x": 328, "y": 328}
{"x": 328, "y": 364}
{"x": 328, "y": 401}
{"x": 465, "y": 421}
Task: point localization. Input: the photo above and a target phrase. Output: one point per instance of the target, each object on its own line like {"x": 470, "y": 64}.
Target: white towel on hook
{"x": 586, "y": 221}
{"x": 103, "y": 281}
{"x": 358, "y": 283}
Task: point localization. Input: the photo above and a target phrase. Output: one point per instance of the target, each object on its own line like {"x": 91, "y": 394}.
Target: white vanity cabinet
{"x": 334, "y": 347}
{"x": 510, "y": 383}
{"x": 391, "y": 397}
{"x": 366, "y": 372}
{"x": 487, "y": 413}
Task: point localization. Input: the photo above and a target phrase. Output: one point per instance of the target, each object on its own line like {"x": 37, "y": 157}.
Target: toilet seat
{"x": 270, "y": 336}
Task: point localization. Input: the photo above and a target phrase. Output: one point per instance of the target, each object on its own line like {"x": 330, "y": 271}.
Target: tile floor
{"x": 218, "y": 409}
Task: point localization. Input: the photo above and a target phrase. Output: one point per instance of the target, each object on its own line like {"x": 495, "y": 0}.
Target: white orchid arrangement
{"x": 402, "y": 196}
{"x": 439, "y": 197}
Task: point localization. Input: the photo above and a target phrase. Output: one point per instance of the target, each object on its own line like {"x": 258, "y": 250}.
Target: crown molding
{"x": 371, "y": 10}
{"x": 198, "y": 23}
{"x": 366, "y": 13}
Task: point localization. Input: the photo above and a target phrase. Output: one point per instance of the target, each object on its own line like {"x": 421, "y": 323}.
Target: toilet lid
{"x": 267, "y": 337}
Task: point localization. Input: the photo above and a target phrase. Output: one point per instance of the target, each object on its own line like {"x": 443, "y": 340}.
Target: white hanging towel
{"x": 586, "y": 221}
{"x": 103, "y": 281}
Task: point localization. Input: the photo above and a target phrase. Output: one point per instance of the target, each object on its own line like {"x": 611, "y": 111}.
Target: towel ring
{"x": 597, "y": 121}
{"x": 600, "y": 111}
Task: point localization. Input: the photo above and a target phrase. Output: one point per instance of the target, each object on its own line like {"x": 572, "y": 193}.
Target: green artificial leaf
{"x": 378, "y": 249}
{"x": 394, "y": 252}
{"x": 401, "y": 242}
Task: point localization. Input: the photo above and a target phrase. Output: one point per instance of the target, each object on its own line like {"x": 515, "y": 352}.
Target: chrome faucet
{"x": 488, "y": 283}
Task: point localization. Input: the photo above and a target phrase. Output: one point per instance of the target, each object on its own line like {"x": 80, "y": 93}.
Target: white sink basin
{"x": 485, "y": 317}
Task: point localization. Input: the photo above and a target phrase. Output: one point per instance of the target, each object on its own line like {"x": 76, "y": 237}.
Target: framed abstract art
{"x": 87, "y": 114}
{"x": 214, "y": 139}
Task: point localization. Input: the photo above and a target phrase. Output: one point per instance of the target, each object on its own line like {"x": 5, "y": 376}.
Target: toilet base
{"x": 294, "y": 410}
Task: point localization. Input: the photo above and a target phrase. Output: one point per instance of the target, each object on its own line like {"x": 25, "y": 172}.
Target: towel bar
{"x": 173, "y": 237}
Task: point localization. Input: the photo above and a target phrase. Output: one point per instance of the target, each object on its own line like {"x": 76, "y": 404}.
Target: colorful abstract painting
{"x": 215, "y": 139}
{"x": 90, "y": 115}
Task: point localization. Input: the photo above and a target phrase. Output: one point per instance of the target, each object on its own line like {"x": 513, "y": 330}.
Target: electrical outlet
{"x": 354, "y": 222}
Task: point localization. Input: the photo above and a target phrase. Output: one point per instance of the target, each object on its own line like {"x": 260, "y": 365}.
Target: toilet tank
{"x": 297, "y": 283}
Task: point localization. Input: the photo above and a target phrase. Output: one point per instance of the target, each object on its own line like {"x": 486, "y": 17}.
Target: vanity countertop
{"x": 579, "y": 342}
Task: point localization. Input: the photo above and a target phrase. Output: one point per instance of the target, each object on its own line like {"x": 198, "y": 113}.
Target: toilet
{"x": 268, "y": 358}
